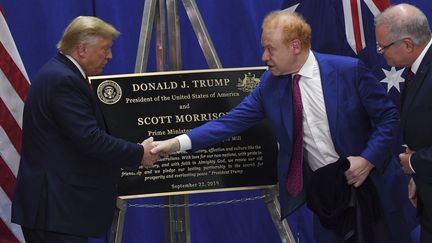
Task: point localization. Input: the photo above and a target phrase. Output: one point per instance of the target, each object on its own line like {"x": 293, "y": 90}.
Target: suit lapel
{"x": 416, "y": 85}
{"x": 98, "y": 111}
{"x": 285, "y": 99}
{"x": 62, "y": 58}
{"x": 329, "y": 85}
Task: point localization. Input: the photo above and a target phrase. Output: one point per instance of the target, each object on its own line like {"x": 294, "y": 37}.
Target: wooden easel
{"x": 177, "y": 219}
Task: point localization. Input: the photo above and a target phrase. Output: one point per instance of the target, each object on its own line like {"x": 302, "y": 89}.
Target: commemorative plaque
{"x": 166, "y": 104}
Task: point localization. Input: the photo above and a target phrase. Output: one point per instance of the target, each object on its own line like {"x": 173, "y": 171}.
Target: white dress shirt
{"x": 318, "y": 145}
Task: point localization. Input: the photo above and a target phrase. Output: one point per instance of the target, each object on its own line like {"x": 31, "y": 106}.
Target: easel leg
{"x": 118, "y": 221}
{"x": 201, "y": 32}
{"x": 177, "y": 223}
{"x": 273, "y": 206}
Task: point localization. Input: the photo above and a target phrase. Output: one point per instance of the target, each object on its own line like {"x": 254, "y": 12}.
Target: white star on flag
{"x": 292, "y": 8}
{"x": 393, "y": 78}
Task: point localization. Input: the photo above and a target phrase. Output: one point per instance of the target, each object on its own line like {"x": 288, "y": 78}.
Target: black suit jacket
{"x": 416, "y": 120}
{"x": 70, "y": 165}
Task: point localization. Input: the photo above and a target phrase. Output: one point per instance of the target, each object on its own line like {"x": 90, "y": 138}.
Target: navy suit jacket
{"x": 363, "y": 122}
{"x": 70, "y": 165}
{"x": 416, "y": 120}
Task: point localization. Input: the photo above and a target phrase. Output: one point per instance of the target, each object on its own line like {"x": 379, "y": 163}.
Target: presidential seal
{"x": 109, "y": 92}
{"x": 248, "y": 83}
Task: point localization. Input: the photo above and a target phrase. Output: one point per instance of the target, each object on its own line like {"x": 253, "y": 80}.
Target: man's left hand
{"x": 405, "y": 161}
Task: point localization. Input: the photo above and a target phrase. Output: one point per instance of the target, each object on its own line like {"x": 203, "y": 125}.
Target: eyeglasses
{"x": 381, "y": 49}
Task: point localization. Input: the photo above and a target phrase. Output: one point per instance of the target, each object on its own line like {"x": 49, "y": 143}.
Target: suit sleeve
{"x": 383, "y": 115}
{"x": 246, "y": 114}
{"x": 75, "y": 114}
{"x": 418, "y": 120}
{"x": 421, "y": 161}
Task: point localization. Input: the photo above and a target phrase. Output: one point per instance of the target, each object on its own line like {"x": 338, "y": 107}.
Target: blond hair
{"x": 293, "y": 27}
{"x": 85, "y": 29}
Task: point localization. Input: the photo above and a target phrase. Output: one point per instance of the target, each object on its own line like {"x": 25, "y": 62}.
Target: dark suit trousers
{"x": 42, "y": 236}
{"x": 425, "y": 215}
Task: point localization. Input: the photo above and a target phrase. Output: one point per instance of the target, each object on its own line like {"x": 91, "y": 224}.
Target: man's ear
{"x": 81, "y": 49}
{"x": 409, "y": 43}
{"x": 296, "y": 44}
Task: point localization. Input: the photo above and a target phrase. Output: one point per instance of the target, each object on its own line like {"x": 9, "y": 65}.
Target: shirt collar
{"x": 416, "y": 64}
{"x": 77, "y": 65}
{"x": 307, "y": 69}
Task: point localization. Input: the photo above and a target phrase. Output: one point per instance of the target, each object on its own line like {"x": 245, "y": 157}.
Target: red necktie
{"x": 89, "y": 84}
{"x": 294, "y": 182}
{"x": 408, "y": 81}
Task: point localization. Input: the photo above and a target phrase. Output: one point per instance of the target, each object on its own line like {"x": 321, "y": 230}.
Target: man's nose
{"x": 109, "y": 56}
{"x": 264, "y": 56}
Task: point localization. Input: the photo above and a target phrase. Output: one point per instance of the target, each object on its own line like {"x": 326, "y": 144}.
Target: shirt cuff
{"x": 185, "y": 142}
{"x": 409, "y": 162}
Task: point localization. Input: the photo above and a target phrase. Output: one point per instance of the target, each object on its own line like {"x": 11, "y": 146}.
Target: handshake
{"x": 154, "y": 150}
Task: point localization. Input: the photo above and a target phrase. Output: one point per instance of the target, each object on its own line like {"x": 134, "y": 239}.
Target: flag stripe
{"x": 9, "y": 44}
{"x": 10, "y": 126}
{"x": 7, "y": 179}
{"x": 6, "y": 235}
{"x": 8, "y": 152}
{"x": 349, "y": 31}
{"x": 9, "y": 232}
{"x": 381, "y": 4}
{"x": 372, "y": 7}
{"x": 13, "y": 73}
{"x": 355, "y": 21}
{"x": 12, "y": 101}
{"x": 376, "y": 7}
{"x": 361, "y": 29}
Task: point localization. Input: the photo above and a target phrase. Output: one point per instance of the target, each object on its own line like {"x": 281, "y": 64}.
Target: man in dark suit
{"x": 66, "y": 186}
{"x": 346, "y": 114}
{"x": 404, "y": 38}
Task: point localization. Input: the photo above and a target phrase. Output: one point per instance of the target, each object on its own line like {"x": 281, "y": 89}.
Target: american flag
{"x": 14, "y": 85}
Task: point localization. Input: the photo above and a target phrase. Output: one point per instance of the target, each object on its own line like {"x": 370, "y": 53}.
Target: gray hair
{"x": 405, "y": 20}
{"x": 85, "y": 29}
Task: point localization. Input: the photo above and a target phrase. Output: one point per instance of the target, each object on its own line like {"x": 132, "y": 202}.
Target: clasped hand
{"x": 149, "y": 158}
{"x": 165, "y": 147}
{"x": 405, "y": 160}
{"x": 154, "y": 150}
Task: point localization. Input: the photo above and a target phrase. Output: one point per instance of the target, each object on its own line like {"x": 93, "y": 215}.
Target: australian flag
{"x": 346, "y": 27}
